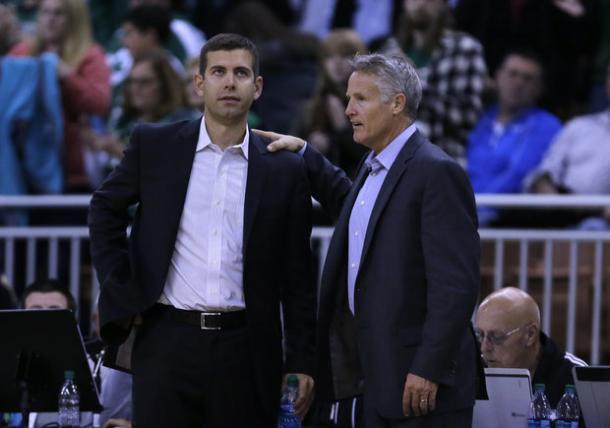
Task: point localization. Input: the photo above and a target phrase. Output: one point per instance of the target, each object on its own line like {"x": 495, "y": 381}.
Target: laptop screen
{"x": 509, "y": 392}
{"x": 593, "y": 388}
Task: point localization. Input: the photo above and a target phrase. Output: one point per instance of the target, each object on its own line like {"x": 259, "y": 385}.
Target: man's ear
{"x": 258, "y": 86}
{"x": 399, "y": 103}
{"x": 198, "y": 84}
{"x": 531, "y": 334}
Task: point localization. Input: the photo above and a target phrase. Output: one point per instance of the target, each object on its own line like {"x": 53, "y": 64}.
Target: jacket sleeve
{"x": 451, "y": 250}
{"x": 299, "y": 290}
{"x": 87, "y": 90}
{"x": 108, "y": 220}
{"x": 329, "y": 184}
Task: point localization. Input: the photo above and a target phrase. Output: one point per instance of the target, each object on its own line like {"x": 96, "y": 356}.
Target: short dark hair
{"x": 49, "y": 286}
{"x": 150, "y": 17}
{"x": 228, "y": 42}
{"x": 527, "y": 54}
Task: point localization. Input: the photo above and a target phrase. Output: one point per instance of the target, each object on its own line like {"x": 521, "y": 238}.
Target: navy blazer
{"x": 277, "y": 263}
{"x": 416, "y": 287}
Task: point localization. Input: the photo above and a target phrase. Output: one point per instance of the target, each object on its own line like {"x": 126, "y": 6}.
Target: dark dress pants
{"x": 187, "y": 377}
{"x": 456, "y": 419}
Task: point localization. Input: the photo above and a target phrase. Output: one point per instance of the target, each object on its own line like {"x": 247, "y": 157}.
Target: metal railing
{"x": 527, "y": 258}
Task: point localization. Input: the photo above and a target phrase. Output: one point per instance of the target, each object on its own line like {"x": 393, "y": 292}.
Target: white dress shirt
{"x": 206, "y": 269}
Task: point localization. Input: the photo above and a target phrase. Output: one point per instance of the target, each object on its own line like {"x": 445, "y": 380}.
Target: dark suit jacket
{"x": 416, "y": 287}
{"x": 277, "y": 264}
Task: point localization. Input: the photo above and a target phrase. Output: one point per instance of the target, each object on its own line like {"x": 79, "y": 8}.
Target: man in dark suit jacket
{"x": 219, "y": 246}
{"x": 401, "y": 276}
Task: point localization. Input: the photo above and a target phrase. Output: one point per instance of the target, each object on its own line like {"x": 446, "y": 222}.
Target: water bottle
{"x": 69, "y": 402}
{"x": 540, "y": 411}
{"x": 568, "y": 409}
{"x": 287, "y": 418}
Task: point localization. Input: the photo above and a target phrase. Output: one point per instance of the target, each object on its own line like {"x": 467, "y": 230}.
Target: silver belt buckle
{"x": 203, "y": 324}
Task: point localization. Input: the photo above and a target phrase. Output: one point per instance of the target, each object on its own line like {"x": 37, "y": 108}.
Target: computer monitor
{"x": 510, "y": 393}
{"x": 593, "y": 388}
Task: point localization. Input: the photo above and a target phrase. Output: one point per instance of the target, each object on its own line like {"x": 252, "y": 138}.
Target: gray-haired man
{"x": 402, "y": 272}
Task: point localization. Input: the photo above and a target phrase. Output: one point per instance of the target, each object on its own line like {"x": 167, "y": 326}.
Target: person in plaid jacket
{"x": 452, "y": 69}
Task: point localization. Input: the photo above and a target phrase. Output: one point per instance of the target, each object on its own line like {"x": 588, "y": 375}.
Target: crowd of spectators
{"x": 516, "y": 91}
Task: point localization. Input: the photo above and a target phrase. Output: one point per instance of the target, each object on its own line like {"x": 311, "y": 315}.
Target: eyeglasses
{"x": 497, "y": 339}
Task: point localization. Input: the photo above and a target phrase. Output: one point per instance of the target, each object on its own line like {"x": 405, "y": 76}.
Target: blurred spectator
{"x": 64, "y": 28}
{"x": 508, "y": 329}
{"x": 184, "y": 40}
{"x": 153, "y": 92}
{"x": 47, "y": 294}
{"x": 562, "y": 32}
{"x": 26, "y": 11}
{"x": 144, "y": 29}
{"x": 577, "y": 161}
{"x": 323, "y": 122}
{"x": 50, "y": 294}
{"x": 371, "y": 19}
{"x": 598, "y": 99}
{"x": 9, "y": 29}
{"x": 287, "y": 60}
{"x": 193, "y": 99}
{"x": 452, "y": 70}
{"x": 513, "y": 135}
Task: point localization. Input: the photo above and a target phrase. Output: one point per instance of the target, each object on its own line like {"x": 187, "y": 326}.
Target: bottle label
{"x": 566, "y": 424}
{"x": 537, "y": 423}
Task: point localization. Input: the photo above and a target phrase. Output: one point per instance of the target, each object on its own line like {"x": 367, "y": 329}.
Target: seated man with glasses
{"x": 508, "y": 329}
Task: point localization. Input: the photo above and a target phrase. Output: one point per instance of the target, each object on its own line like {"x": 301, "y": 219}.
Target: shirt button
{"x": 353, "y": 265}
{"x": 356, "y": 233}
{"x": 373, "y": 174}
{"x": 361, "y": 202}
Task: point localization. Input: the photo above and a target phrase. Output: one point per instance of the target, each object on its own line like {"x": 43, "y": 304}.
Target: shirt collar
{"x": 205, "y": 141}
{"x": 389, "y": 154}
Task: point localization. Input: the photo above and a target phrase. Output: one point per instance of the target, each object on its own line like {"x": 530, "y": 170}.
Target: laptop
{"x": 510, "y": 393}
{"x": 593, "y": 388}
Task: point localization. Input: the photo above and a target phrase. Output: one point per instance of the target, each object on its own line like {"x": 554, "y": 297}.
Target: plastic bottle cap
{"x": 570, "y": 388}
{"x": 292, "y": 380}
{"x": 539, "y": 387}
{"x": 69, "y": 374}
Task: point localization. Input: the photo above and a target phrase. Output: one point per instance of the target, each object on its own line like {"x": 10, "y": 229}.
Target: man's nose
{"x": 349, "y": 109}
{"x": 229, "y": 80}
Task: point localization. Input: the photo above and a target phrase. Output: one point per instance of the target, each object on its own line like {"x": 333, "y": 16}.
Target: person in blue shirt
{"x": 512, "y": 136}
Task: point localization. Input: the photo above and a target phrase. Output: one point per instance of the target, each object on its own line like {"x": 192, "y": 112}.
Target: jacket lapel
{"x": 394, "y": 174}
{"x": 257, "y": 174}
{"x": 182, "y": 155}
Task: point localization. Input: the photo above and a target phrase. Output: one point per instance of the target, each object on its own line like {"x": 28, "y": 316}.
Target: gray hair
{"x": 395, "y": 76}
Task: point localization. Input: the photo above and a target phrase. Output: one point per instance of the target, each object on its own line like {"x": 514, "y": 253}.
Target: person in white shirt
{"x": 219, "y": 248}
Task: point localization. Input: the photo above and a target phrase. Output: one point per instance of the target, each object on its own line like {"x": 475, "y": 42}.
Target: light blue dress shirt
{"x": 379, "y": 165}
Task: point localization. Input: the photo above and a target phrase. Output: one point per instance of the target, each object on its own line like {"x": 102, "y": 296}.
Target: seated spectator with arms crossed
{"x": 511, "y": 138}
{"x": 577, "y": 161}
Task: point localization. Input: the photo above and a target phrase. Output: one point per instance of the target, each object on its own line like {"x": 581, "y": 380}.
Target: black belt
{"x": 204, "y": 320}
